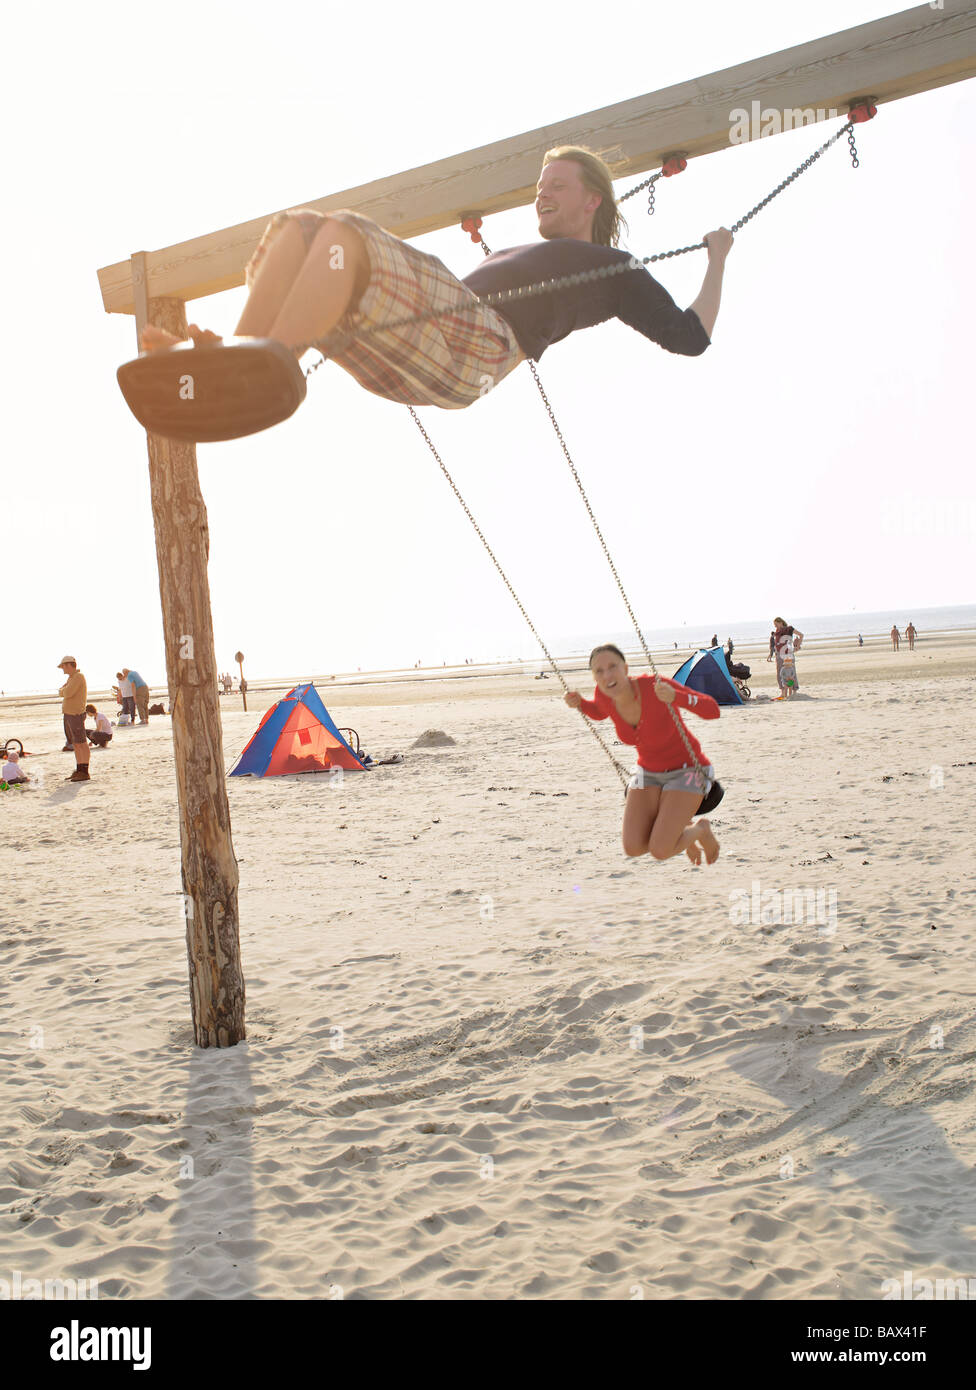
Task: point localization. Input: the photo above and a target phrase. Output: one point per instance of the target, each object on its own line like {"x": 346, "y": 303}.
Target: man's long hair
{"x": 607, "y": 221}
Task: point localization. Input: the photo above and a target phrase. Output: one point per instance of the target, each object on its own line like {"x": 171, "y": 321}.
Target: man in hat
{"x": 74, "y": 698}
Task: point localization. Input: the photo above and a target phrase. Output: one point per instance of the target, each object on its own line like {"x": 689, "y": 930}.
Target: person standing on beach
{"x": 141, "y": 692}
{"x": 74, "y": 698}
{"x": 784, "y": 642}
{"x": 911, "y": 634}
{"x": 895, "y": 639}
{"x": 127, "y": 696}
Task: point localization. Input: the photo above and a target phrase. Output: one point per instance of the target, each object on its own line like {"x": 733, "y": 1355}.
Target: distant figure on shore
{"x": 730, "y": 649}
{"x": 714, "y": 642}
{"x": 101, "y": 735}
{"x": 860, "y": 640}
{"x": 74, "y": 698}
{"x": 895, "y": 639}
{"x": 141, "y": 692}
{"x": 13, "y": 774}
{"x": 784, "y": 643}
{"x": 911, "y": 634}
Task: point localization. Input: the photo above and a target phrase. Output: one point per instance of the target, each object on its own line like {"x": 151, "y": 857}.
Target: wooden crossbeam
{"x": 888, "y": 58}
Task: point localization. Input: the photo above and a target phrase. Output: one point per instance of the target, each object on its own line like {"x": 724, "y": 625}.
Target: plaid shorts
{"x": 449, "y": 360}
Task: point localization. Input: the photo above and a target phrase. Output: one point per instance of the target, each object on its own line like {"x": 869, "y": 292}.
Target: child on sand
{"x": 665, "y": 791}
{"x": 12, "y": 773}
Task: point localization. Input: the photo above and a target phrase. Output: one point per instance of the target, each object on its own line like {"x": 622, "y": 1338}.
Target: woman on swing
{"x": 323, "y": 278}
{"x": 666, "y": 789}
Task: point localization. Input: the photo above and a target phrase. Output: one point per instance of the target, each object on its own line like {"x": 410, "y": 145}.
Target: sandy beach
{"x": 488, "y": 1056}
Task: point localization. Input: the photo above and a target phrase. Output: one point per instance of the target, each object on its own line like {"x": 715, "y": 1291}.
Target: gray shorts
{"x": 679, "y": 779}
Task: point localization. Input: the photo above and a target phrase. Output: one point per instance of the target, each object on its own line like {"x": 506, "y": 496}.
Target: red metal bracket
{"x": 470, "y": 224}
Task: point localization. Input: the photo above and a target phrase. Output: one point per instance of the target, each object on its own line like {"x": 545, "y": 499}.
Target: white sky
{"x": 818, "y": 457}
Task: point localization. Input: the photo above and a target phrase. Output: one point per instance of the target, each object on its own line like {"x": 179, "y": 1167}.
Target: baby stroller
{"x": 740, "y": 673}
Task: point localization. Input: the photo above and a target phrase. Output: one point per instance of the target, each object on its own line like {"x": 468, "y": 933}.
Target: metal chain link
{"x": 855, "y": 163}
{"x": 800, "y": 169}
{"x": 621, "y": 771}
{"x": 649, "y": 185}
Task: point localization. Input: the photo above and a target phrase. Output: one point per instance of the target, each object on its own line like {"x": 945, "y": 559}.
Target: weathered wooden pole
{"x": 209, "y": 866}
{"x": 239, "y": 658}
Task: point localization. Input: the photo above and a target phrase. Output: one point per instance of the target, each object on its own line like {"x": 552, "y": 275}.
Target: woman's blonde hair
{"x": 607, "y": 221}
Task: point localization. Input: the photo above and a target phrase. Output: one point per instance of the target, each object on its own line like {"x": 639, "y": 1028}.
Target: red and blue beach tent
{"x": 296, "y": 735}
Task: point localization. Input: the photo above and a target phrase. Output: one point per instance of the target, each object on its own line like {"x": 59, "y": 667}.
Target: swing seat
{"x": 715, "y": 794}
{"x": 204, "y": 394}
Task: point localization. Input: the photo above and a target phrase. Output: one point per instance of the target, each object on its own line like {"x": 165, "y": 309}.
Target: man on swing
{"x": 334, "y": 279}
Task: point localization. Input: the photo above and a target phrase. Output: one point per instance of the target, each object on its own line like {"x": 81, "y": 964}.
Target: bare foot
{"x": 707, "y": 840}
{"x": 153, "y": 339}
{"x": 202, "y": 337}
{"x": 694, "y": 853}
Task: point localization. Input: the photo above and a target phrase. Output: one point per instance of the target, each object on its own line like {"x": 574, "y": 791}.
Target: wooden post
{"x": 209, "y": 866}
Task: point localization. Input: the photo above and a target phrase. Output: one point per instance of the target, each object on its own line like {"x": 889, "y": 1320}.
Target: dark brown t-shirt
{"x": 632, "y": 295}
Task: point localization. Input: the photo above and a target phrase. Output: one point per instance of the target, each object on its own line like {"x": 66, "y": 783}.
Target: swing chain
{"x": 621, "y": 771}
{"x": 801, "y": 169}
{"x": 855, "y": 163}
{"x": 586, "y": 501}
{"x": 682, "y": 732}
{"x": 649, "y": 185}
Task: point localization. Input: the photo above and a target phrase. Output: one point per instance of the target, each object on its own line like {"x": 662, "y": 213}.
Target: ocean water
{"x": 689, "y": 637}
{"x": 830, "y": 627}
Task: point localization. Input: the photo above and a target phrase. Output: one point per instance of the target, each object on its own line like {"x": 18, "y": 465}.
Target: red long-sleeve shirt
{"x": 658, "y": 743}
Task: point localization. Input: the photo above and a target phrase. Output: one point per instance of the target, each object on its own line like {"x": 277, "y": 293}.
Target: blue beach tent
{"x": 296, "y": 735}
{"x": 708, "y": 672}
